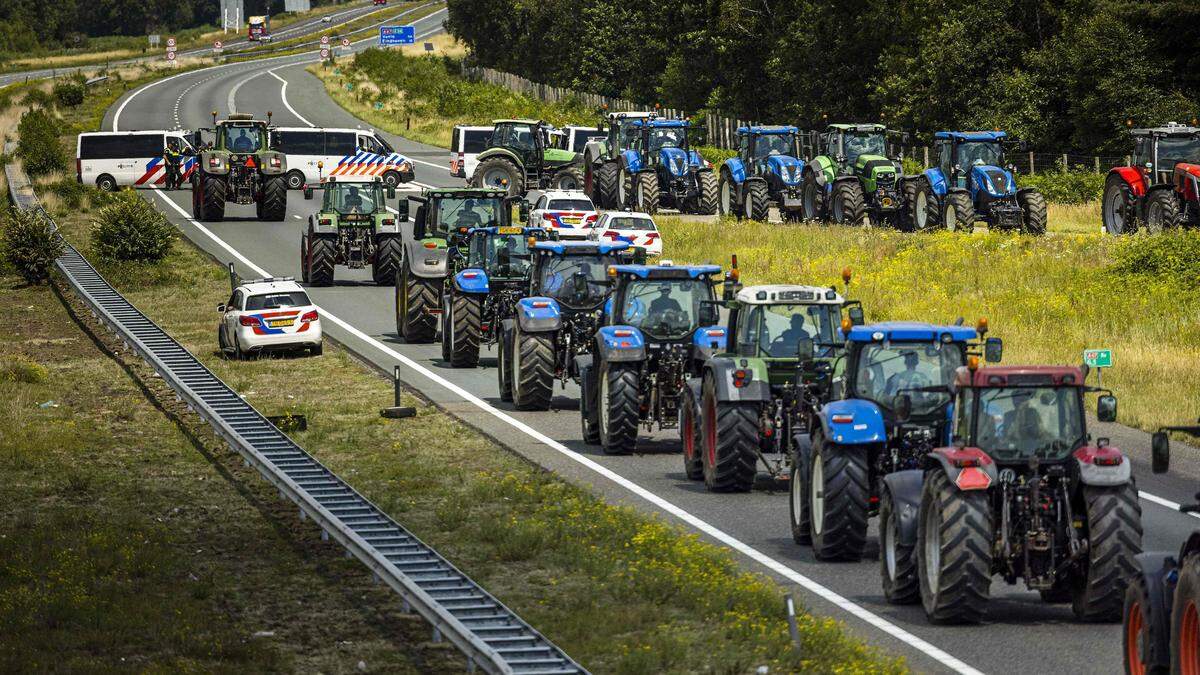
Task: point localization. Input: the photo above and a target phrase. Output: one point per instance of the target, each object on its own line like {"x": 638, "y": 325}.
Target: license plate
{"x": 281, "y": 323}
{"x": 572, "y": 221}
{"x": 508, "y": 230}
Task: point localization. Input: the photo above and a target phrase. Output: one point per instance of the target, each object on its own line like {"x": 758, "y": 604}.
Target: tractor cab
{"x": 352, "y": 202}
{"x": 500, "y": 253}
{"x": 451, "y": 213}
{"x": 621, "y": 130}
{"x": 1161, "y": 190}
{"x": 574, "y": 273}
{"x": 526, "y": 154}
{"x": 771, "y": 151}
{"x": 783, "y": 325}
{"x": 1157, "y": 151}
{"x": 859, "y": 149}
{"x": 525, "y": 138}
{"x": 973, "y": 160}
{"x": 661, "y": 142}
{"x": 665, "y": 303}
{"x": 970, "y": 182}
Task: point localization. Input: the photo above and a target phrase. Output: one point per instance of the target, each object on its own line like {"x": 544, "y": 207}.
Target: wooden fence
{"x": 551, "y": 94}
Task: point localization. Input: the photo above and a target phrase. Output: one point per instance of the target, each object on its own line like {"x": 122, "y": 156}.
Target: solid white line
{"x": 1155, "y": 499}
{"x": 231, "y": 99}
{"x": 283, "y": 95}
{"x": 783, "y": 570}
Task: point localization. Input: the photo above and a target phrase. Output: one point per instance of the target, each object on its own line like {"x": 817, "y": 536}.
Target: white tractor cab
{"x": 113, "y": 159}
{"x": 466, "y": 142}
{"x": 314, "y": 153}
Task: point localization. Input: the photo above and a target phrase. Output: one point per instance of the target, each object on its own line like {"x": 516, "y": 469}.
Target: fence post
{"x": 1097, "y": 165}
{"x": 1031, "y": 169}
{"x": 1066, "y": 162}
{"x": 925, "y": 152}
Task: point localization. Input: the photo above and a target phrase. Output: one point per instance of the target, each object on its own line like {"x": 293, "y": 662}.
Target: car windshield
{"x": 664, "y": 308}
{"x": 774, "y": 144}
{"x": 348, "y": 198}
{"x": 456, "y": 213}
{"x": 559, "y": 274}
{"x": 241, "y": 138}
{"x": 1171, "y": 151}
{"x": 502, "y": 256}
{"x": 979, "y": 153}
{"x": 277, "y": 300}
{"x": 667, "y": 137}
{"x": 570, "y": 205}
{"x": 884, "y": 369}
{"x": 779, "y": 329}
{"x": 864, "y": 143}
{"x": 1021, "y": 422}
{"x": 630, "y": 223}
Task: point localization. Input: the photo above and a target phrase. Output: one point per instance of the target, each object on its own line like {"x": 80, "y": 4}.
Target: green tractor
{"x": 352, "y": 228}
{"x": 852, "y": 180}
{"x": 240, "y": 167}
{"x": 522, "y": 156}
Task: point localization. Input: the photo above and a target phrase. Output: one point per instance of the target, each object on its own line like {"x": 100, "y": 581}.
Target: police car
{"x": 568, "y": 212}
{"x": 636, "y": 228}
{"x": 272, "y": 314}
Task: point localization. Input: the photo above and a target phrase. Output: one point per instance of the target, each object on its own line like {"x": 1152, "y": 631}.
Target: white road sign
{"x": 170, "y": 56}
{"x": 217, "y": 44}
{"x": 324, "y": 39}
{"x": 170, "y": 42}
{"x": 345, "y": 42}
{"x": 324, "y": 53}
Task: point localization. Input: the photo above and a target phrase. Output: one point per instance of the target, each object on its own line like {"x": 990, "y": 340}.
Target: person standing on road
{"x": 174, "y": 157}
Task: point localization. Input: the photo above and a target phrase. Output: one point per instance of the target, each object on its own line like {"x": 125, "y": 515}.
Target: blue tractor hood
{"x": 993, "y": 180}
{"x": 676, "y": 161}
{"x": 789, "y": 169}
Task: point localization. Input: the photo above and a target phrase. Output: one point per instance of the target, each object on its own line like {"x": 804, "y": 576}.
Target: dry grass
{"x": 75, "y": 59}
{"x": 1075, "y": 218}
{"x": 443, "y": 45}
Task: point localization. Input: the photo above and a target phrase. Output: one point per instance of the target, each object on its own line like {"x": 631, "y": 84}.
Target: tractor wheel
{"x": 926, "y": 214}
{"x": 503, "y": 367}
{"x": 304, "y": 258}
{"x": 1185, "y": 618}
{"x": 391, "y": 179}
{"x": 1033, "y": 212}
{"x": 389, "y": 251}
{"x": 915, "y": 216}
{"x": 689, "y": 436}
{"x": 274, "y": 199}
{"x": 1140, "y": 630}
{"x": 1119, "y": 207}
{"x": 954, "y": 551}
{"x": 812, "y": 196}
{"x": 798, "y": 506}
{"x": 461, "y": 321}
{"x": 849, "y": 204}
{"x": 567, "y": 178}
{"x": 624, "y": 190}
{"x": 1162, "y": 211}
{"x": 415, "y": 297}
{"x": 295, "y": 179}
{"x": 618, "y": 406}
{"x": 589, "y": 417}
{"x": 533, "y": 370}
{"x": 709, "y": 193}
{"x": 646, "y": 192}
{"x": 728, "y": 203}
{"x": 606, "y": 177}
{"x": 212, "y": 198}
{"x": 958, "y": 213}
{"x": 728, "y": 442}
{"x": 837, "y": 495}
{"x": 498, "y": 173}
{"x": 1114, "y": 520}
{"x": 756, "y": 201}
{"x": 897, "y": 559}
{"x": 322, "y": 258}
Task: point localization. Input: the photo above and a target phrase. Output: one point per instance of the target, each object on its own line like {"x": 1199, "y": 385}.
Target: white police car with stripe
{"x": 314, "y": 153}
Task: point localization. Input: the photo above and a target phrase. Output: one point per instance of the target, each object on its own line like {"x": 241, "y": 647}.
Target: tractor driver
{"x": 243, "y": 142}
{"x": 1022, "y": 428}
{"x": 468, "y": 216}
{"x": 793, "y": 335}
{"x": 352, "y": 200}
{"x": 909, "y": 378}
{"x": 664, "y": 307}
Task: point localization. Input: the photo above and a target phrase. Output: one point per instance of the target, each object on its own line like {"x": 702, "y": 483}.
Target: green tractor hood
{"x": 872, "y": 167}
{"x": 553, "y": 157}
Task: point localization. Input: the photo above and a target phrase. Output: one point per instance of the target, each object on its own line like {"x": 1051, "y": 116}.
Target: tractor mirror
{"x": 1160, "y": 452}
{"x": 805, "y": 350}
{"x": 856, "y": 316}
{"x": 391, "y": 192}
{"x": 902, "y": 406}
{"x": 993, "y": 350}
{"x": 523, "y": 211}
{"x": 419, "y": 224}
{"x": 308, "y": 192}
{"x": 1106, "y": 408}
{"x": 402, "y": 209}
{"x": 709, "y": 314}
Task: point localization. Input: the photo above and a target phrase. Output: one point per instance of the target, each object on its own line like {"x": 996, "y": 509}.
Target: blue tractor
{"x": 488, "y": 280}
{"x": 766, "y": 170}
{"x": 856, "y": 437}
{"x": 659, "y": 327}
{"x": 658, "y": 168}
{"x": 551, "y": 332}
{"x": 970, "y": 182}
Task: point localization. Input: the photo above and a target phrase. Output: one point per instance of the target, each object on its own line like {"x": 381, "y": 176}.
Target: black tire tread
{"x": 854, "y": 208}
{"x": 533, "y": 383}
{"x": 323, "y": 259}
{"x": 1033, "y": 212}
{"x": 467, "y": 313}
{"x": 606, "y": 177}
{"x": 422, "y": 295}
{"x": 646, "y": 183}
{"x": 621, "y": 436}
{"x": 389, "y": 251}
{"x": 1114, "y": 538}
{"x": 710, "y": 195}
{"x": 966, "y": 555}
{"x": 736, "y": 442}
{"x": 758, "y": 200}
{"x": 905, "y": 589}
{"x": 213, "y": 199}
{"x": 847, "y": 492}
{"x": 274, "y": 199}
{"x": 964, "y": 212}
{"x": 689, "y": 424}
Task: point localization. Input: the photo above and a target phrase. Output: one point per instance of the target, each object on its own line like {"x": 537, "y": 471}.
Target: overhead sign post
{"x": 1098, "y": 359}
{"x": 395, "y": 36}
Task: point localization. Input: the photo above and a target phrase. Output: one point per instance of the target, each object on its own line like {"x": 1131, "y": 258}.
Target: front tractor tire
{"x": 1033, "y": 212}
{"x": 958, "y": 212}
{"x": 757, "y": 201}
{"x": 1140, "y": 630}
{"x": 532, "y": 370}
{"x": 504, "y": 375}
{"x": 918, "y": 198}
{"x": 415, "y": 297}
{"x": 605, "y": 179}
{"x": 729, "y": 442}
{"x": 1162, "y": 211}
{"x": 567, "y": 178}
{"x": 954, "y": 551}
{"x": 849, "y": 204}
{"x": 322, "y": 257}
{"x": 709, "y": 193}
{"x": 897, "y": 558}
{"x": 1114, "y": 520}
{"x": 798, "y": 503}
{"x": 617, "y": 402}
{"x": 812, "y": 198}
{"x": 462, "y": 316}
{"x": 727, "y": 198}
{"x": 273, "y": 205}
{"x": 838, "y": 494}
{"x": 499, "y": 174}
{"x": 209, "y": 204}
{"x": 689, "y": 436}
{"x": 1185, "y": 618}
{"x": 1118, "y": 207}
{"x": 645, "y": 192}
{"x": 389, "y": 251}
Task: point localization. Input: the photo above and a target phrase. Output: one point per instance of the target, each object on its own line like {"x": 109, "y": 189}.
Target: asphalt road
{"x": 1022, "y": 634}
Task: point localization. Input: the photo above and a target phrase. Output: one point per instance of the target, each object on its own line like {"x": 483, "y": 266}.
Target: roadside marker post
{"x": 397, "y": 411}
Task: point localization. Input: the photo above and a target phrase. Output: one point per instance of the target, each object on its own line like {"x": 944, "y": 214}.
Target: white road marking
{"x": 297, "y": 216}
{"x": 729, "y": 540}
{"x": 231, "y": 100}
{"x": 283, "y": 95}
{"x": 1155, "y": 499}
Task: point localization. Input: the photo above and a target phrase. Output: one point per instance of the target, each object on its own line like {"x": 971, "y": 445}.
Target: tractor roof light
{"x": 982, "y": 326}
{"x": 532, "y": 240}
{"x": 973, "y": 363}
{"x": 612, "y": 271}
{"x": 846, "y": 325}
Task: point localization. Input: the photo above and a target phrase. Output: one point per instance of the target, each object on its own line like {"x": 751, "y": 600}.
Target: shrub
{"x": 30, "y": 244}
{"x": 1171, "y": 256}
{"x": 715, "y": 156}
{"x": 39, "y": 146}
{"x": 129, "y": 229}
{"x": 69, "y": 93}
{"x": 1066, "y": 187}
{"x": 37, "y": 97}
{"x": 72, "y": 192}
{"x": 23, "y": 371}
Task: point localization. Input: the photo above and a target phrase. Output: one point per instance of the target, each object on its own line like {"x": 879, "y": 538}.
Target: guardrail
{"x": 491, "y": 636}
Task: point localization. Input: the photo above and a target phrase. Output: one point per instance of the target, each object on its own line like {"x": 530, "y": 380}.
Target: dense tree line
{"x": 1063, "y": 74}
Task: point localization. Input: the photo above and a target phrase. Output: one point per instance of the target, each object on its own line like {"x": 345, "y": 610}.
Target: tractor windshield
{"x": 1172, "y": 151}
{"x": 502, "y": 256}
{"x": 246, "y": 138}
{"x": 1016, "y": 423}
{"x": 884, "y": 369}
{"x": 864, "y": 143}
{"x": 516, "y": 136}
{"x": 767, "y": 145}
{"x": 559, "y": 280}
{"x": 664, "y": 308}
{"x": 776, "y": 331}
{"x": 454, "y": 213}
{"x": 666, "y": 137}
{"x": 348, "y": 198}
{"x": 979, "y": 153}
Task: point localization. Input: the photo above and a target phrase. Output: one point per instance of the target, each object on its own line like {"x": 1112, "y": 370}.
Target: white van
{"x": 465, "y": 144}
{"x": 341, "y": 152}
{"x": 578, "y": 137}
{"x": 111, "y": 159}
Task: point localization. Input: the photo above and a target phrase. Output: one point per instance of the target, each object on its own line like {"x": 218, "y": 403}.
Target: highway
{"x": 1022, "y": 634}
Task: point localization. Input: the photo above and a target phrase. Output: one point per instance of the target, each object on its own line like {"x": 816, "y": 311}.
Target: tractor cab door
{"x": 746, "y": 150}
{"x": 944, "y": 149}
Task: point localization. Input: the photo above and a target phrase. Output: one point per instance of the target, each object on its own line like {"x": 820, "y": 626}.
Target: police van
{"x": 112, "y": 159}
{"x": 314, "y": 153}
{"x": 465, "y": 143}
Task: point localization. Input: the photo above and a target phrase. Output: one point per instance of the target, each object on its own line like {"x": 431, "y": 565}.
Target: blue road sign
{"x": 390, "y": 36}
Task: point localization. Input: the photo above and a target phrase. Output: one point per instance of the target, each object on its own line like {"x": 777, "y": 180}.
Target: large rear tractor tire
{"x": 504, "y": 374}
{"x": 213, "y": 199}
{"x": 1033, "y": 212}
{"x": 533, "y": 370}
{"x": 1118, "y": 208}
{"x": 1140, "y": 631}
{"x": 323, "y": 258}
{"x": 415, "y": 298}
{"x": 848, "y": 205}
{"x": 728, "y": 442}
{"x": 389, "y": 251}
{"x": 812, "y": 198}
{"x": 498, "y": 173}
{"x": 958, "y": 212}
{"x": 567, "y": 178}
{"x": 1114, "y": 520}
{"x": 689, "y": 436}
{"x": 606, "y": 177}
{"x": 897, "y": 558}
{"x": 1185, "y": 618}
{"x": 625, "y": 193}
{"x": 646, "y": 194}
{"x": 917, "y": 199}
{"x": 589, "y": 416}
{"x": 757, "y": 201}
{"x": 798, "y": 503}
{"x": 274, "y": 199}
{"x": 618, "y": 406}
{"x": 1162, "y": 211}
{"x": 709, "y": 193}
{"x": 954, "y": 551}
{"x": 304, "y": 277}
{"x": 838, "y": 494}
{"x": 727, "y": 201}
{"x": 462, "y": 317}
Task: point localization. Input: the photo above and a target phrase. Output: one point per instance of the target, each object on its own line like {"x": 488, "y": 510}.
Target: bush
{"x": 129, "y": 229}
{"x": 715, "y": 156}
{"x": 1066, "y": 187}
{"x": 69, "y": 93}
{"x": 38, "y": 98}
{"x": 39, "y": 146}
{"x": 30, "y": 244}
{"x": 72, "y": 192}
{"x": 23, "y": 371}
{"x": 1171, "y": 256}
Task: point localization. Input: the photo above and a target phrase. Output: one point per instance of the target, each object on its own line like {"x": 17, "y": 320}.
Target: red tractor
{"x": 1161, "y": 189}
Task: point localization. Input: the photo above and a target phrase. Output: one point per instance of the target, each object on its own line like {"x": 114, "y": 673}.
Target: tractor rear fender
{"x": 499, "y": 152}
{"x": 1133, "y": 177}
{"x": 755, "y": 387}
{"x": 631, "y": 161}
{"x": 905, "y": 489}
{"x": 1158, "y": 572}
{"x": 735, "y": 170}
{"x": 208, "y": 168}
{"x": 955, "y": 462}
{"x": 620, "y": 343}
{"x": 595, "y": 152}
{"x": 538, "y": 315}
{"x": 427, "y": 263}
{"x": 852, "y": 422}
{"x": 840, "y": 180}
{"x": 937, "y": 181}
{"x": 472, "y": 280}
